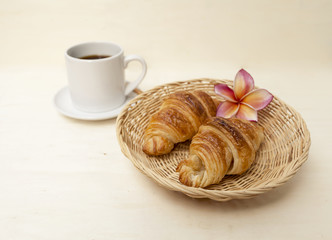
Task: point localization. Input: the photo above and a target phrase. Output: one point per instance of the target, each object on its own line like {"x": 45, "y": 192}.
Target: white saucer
{"x": 64, "y": 105}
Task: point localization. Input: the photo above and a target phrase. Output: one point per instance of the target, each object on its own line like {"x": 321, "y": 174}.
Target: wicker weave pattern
{"x": 284, "y": 150}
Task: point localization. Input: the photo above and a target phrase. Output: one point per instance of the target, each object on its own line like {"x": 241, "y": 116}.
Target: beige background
{"x": 67, "y": 179}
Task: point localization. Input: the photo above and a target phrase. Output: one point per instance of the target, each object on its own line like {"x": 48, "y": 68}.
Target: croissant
{"x": 221, "y": 146}
{"x": 177, "y": 120}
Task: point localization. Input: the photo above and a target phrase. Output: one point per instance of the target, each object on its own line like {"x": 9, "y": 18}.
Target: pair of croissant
{"x": 219, "y": 146}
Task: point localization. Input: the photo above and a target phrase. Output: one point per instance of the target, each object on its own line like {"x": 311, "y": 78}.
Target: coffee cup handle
{"x": 132, "y": 85}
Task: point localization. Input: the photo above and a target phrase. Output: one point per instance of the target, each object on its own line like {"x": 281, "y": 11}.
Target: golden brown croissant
{"x": 177, "y": 120}
{"x": 221, "y": 146}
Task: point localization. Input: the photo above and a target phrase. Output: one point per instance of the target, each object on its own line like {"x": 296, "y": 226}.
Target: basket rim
{"x": 219, "y": 195}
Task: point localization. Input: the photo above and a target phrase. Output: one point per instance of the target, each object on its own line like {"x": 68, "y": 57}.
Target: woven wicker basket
{"x": 284, "y": 150}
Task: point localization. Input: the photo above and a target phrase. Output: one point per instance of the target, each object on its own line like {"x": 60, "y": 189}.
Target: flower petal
{"x": 247, "y": 113}
{"x": 225, "y": 91}
{"x": 258, "y": 99}
{"x": 227, "y": 109}
{"x": 243, "y": 84}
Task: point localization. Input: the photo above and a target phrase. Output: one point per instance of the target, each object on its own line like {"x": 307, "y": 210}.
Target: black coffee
{"x": 94, "y": 56}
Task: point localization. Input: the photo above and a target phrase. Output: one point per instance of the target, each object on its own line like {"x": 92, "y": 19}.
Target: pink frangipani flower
{"x": 243, "y": 101}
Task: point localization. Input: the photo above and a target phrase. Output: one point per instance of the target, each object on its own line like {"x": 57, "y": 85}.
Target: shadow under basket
{"x": 284, "y": 149}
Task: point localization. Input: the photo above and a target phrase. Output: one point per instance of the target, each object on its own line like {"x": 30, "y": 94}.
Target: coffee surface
{"x": 94, "y": 56}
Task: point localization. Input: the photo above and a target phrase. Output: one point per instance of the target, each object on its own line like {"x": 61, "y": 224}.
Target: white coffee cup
{"x": 98, "y": 85}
